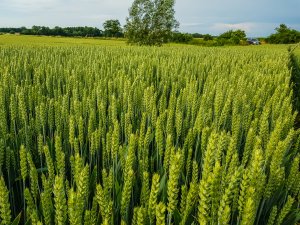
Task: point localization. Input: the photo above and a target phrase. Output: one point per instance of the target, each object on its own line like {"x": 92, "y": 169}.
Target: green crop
{"x": 138, "y": 135}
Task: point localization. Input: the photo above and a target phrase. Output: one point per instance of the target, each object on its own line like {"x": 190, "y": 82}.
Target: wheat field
{"x": 137, "y": 135}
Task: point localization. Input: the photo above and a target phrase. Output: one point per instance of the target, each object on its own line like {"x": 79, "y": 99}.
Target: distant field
{"x": 50, "y": 41}
{"x": 8, "y": 39}
{"x": 95, "y": 131}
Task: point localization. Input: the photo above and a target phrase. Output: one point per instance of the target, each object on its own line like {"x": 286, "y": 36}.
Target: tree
{"x": 151, "y": 22}
{"x": 232, "y": 37}
{"x": 112, "y": 28}
{"x": 207, "y": 37}
{"x": 282, "y": 28}
{"x": 284, "y": 35}
{"x": 178, "y": 37}
{"x": 197, "y": 35}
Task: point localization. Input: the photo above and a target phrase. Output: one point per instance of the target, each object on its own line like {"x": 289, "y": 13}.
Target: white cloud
{"x": 30, "y": 5}
{"x": 214, "y": 17}
{"x": 191, "y": 24}
{"x": 220, "y": 27}
{"x": 81, "y": 6}
{"x": 98, "y": 17}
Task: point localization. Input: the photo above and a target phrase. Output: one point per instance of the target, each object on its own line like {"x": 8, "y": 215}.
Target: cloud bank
{"x": 256, "y": 17}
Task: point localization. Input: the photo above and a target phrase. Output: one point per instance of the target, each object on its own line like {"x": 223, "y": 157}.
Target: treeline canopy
{"x": 284, "y": 35}
{"x": 56, "y": 31}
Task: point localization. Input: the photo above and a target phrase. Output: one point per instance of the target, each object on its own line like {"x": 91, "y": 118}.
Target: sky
{"x": 257, "y": 17}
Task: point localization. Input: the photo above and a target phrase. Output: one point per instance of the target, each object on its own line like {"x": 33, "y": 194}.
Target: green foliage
{"x": 17, "y": 220}
{"x": 112, "y": 28}
{"x": 178, "y": 37}
{"x": 150, "y": 22}
{"x": 231, "y": 37}
{"x": 207, "y": 37}
{"x": 284, "y": 35}
{"x": 55, "y": 31}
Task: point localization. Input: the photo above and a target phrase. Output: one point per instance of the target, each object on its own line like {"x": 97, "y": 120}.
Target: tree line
{"x": 113, "y": 28}
{"x": 284, "y": 35}
{"x": 56, "y": 31}
{"x": 110, "y": 30}
{"x": 152, "y": 22}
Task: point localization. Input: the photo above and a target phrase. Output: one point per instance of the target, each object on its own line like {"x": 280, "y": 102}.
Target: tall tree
{"x": 284, "y": 35}
{"x": 112, "y": 28}
{"x": 231, "y": 37}
{"x": 151, "y": 22}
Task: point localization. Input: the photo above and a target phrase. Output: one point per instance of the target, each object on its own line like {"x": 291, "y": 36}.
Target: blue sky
{"x": 256, "y": 17}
